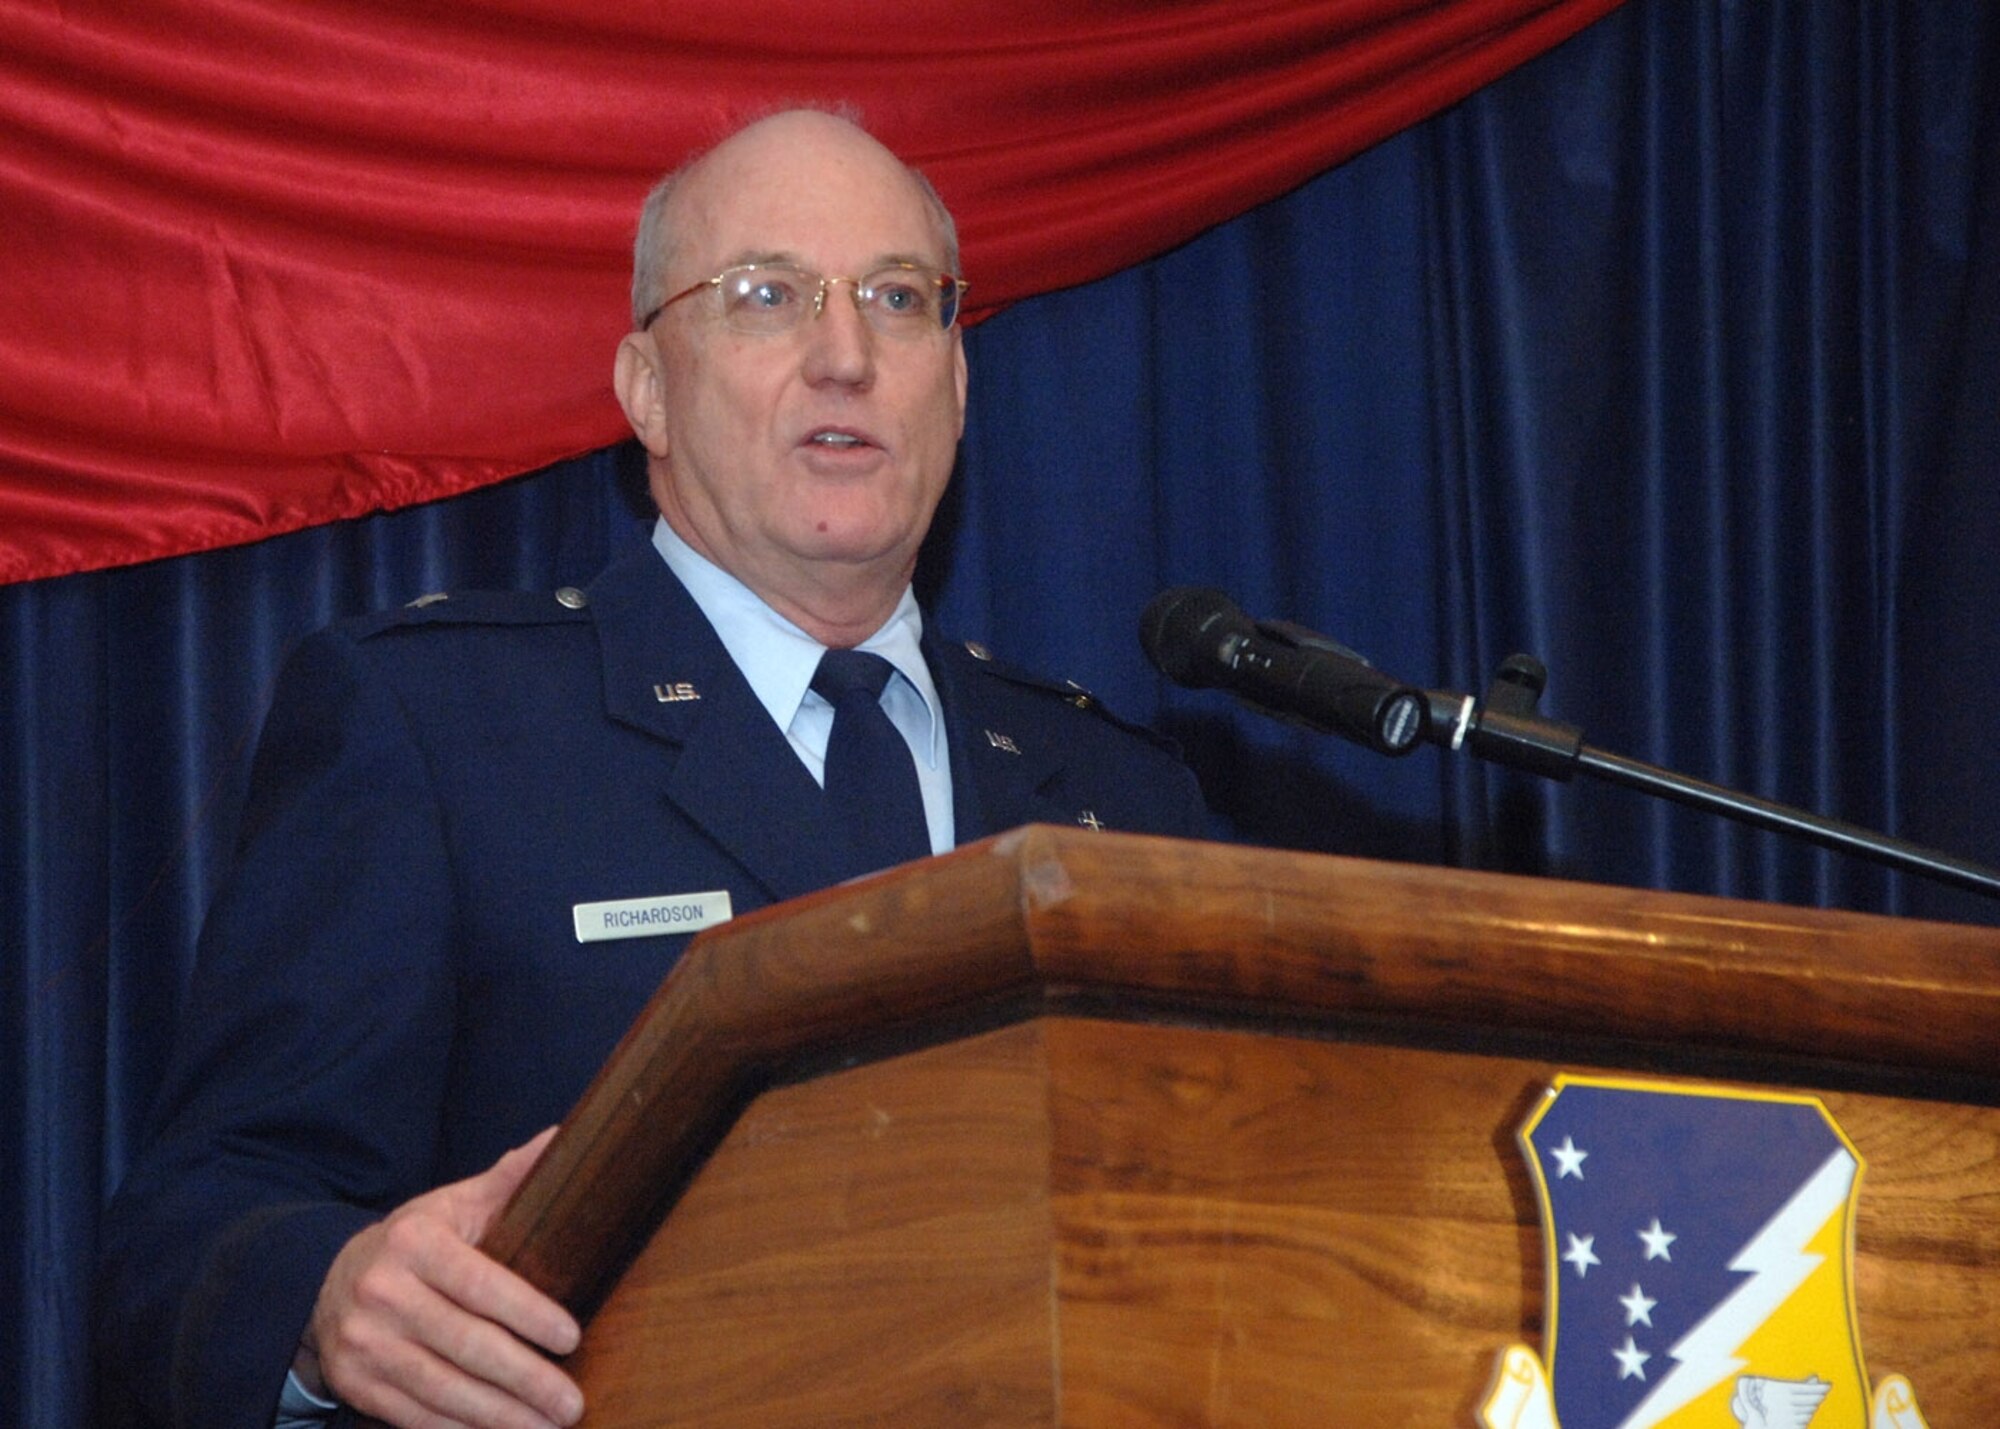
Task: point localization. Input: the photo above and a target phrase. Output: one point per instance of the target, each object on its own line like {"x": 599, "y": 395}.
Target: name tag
{"x": 650, "y": 917}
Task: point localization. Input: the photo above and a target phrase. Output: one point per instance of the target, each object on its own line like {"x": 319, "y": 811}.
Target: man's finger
{"x": 416, "y": 1389}
{"x": 476, "y": 1283}
{"x": 426, "y": 1363}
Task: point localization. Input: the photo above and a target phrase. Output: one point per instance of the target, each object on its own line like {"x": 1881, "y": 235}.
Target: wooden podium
{"x": 1088, "y": 1129}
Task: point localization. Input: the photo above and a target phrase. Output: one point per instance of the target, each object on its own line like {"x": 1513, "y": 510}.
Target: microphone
{"x": 1197, "y": 637}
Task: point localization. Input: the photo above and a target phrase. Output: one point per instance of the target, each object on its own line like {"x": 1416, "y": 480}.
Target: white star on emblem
{"x": 1638, "y": 1308}
{"x": 1581, "y": 1255}
{"x": 1631, "y": 1360}
{"x": 1657, "y": 1241}
{"x": 1569, "y": 1160}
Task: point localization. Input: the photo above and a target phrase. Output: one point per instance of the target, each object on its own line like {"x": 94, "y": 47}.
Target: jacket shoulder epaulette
{"x": 1068, "y": 691}
{"x": 478, "y": 607}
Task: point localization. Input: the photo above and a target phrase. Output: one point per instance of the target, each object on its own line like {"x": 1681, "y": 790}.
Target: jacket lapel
{"x": 736, "y": 777}
{"x": 1003, "y": 764}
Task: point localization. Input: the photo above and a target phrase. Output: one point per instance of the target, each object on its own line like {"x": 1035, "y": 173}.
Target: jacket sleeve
{"x": 303, "y": 1091}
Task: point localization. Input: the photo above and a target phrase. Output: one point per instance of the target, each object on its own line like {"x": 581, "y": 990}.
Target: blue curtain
{"x": 1673, "y": 360}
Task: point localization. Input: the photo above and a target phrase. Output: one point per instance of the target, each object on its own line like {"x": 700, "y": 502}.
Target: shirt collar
{"x": 776, "y": 657}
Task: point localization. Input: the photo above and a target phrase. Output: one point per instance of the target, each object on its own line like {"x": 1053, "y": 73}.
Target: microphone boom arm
{"x": 1506, "y": 729}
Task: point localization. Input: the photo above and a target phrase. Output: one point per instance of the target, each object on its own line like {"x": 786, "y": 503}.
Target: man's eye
{"x": 899, "y": 298}
{"x": 769, "y": 293}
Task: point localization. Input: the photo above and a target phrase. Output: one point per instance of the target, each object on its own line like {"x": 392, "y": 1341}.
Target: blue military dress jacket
{"x": 390, "y": 991}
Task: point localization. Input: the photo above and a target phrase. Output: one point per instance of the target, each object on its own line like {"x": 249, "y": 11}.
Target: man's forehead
{"x": 796, "y": 183}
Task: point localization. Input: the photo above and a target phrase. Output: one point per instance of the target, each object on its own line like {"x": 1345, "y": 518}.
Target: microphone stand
{"x": 1506, "y": 729}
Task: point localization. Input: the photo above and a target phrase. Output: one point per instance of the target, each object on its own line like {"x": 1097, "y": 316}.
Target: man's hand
{"x": 414, "y": 1325}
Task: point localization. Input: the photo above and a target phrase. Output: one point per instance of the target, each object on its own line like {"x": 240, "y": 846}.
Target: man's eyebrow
{"x": 746, "y": 257}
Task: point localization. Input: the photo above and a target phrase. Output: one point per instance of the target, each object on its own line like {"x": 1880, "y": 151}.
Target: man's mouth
{"x": 838, "y": 440}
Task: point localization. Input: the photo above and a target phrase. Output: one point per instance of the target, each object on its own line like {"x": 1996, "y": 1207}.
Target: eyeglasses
{"x": 897, "y": 299}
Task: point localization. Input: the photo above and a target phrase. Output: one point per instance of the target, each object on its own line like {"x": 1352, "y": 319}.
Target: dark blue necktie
{"x": 871, "y": 781}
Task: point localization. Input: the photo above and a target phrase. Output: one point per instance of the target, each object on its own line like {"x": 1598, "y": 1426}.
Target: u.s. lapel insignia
{"x": 670, "y": 694}
{"x": 1002, "y": 742}
{"x": 1699, "y": 1254}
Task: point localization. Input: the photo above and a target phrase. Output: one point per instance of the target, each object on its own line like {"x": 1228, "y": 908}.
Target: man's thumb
{"x": 491, "y": 1188}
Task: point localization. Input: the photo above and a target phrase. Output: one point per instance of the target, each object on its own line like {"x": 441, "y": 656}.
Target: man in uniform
{"x": 481, "y": 829}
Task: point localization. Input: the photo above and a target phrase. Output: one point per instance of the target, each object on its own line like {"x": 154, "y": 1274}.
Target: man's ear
{"x": 639, "y": 383}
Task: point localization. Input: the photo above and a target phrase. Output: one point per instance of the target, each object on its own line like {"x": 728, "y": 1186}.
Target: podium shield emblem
{"x": 1698, "y": 1262}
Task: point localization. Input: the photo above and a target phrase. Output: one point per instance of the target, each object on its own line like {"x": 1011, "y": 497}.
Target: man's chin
{"x": 857, "y": 544}
{"x": 857, "y": 559}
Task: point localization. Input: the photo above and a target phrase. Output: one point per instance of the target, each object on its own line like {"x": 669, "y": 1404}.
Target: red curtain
{"x": 267, "y": 263}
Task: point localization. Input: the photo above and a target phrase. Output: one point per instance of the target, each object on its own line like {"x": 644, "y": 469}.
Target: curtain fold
{"x": 1672, "y": 359}
{"x": 273, "y": 264}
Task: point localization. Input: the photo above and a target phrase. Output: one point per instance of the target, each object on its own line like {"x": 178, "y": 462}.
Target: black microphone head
{"x": 1182, "y": 631}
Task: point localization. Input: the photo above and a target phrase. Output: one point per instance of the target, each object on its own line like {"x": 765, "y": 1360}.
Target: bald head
{"x": 794, "y": 130}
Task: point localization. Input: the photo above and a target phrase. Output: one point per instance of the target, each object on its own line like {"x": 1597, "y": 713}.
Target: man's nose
{"x": 840, "y": 345}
